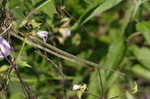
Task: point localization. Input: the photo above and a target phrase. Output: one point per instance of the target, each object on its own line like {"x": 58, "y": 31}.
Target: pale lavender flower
{"x": 43, "y": 35}
{"x": 5, "y": 48}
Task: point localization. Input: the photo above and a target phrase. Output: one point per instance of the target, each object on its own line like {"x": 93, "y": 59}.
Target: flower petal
{"x": 5, "y": 48}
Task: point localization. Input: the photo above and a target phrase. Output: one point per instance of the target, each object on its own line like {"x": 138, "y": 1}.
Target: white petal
{"x": 76, "y": 87}
{"x": 42, "y": 34}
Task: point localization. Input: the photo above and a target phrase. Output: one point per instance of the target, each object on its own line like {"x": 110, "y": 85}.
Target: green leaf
{"x": 48, "y": 8}
{"x": 142, "y": 55}
{"x": 139, "y": 71}
{"x": 16, "y": 89}
{"x": 144, "y": 28}
{"x": 22, "y": 63}
{"x": 118, "y": 46}
{"x": 102, "y": 7}
{"x": 96, "y": 8}
{"x": 129, "y": 96}
{"x": 93, "y": 88}
{"x": 114, "y": 92}
{"x": 17, "y": 8}
{"x": 89, "y": 10}
{"x": 112, "y": 80}
{"x": 116, "y": 50}
{"x": 3, "y": 68}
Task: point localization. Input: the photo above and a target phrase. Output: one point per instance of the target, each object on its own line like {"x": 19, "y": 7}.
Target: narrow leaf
{"x": 102, "y": 7}
{"x": 144, "y": 28}
{"x": 47, "y": 7}
{"x": 139, "y": 71}
{"x": 142, "y": 55}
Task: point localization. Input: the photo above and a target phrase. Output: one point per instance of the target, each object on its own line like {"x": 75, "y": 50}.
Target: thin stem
{"x": 25, "y": 86}
{"x": 77, "y": 60}
{"x": 62, "y": 54}
{"x": 101, "y": 83}
{"x": 63, "y": 80}
{"x": 6, "y": 30}
{"x": 60, "y": 70}
{"x": 21, "y": 50}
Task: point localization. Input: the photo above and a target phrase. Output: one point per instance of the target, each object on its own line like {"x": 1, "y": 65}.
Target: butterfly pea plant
{"x": 74, "y": 49}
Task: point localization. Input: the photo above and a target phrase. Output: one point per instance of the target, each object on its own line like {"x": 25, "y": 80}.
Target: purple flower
{"x": 5, "y": 48}
{"x": 43, "y": 35}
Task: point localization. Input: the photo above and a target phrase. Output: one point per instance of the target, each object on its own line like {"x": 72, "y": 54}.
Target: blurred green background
{"x": 113, "y": 33}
